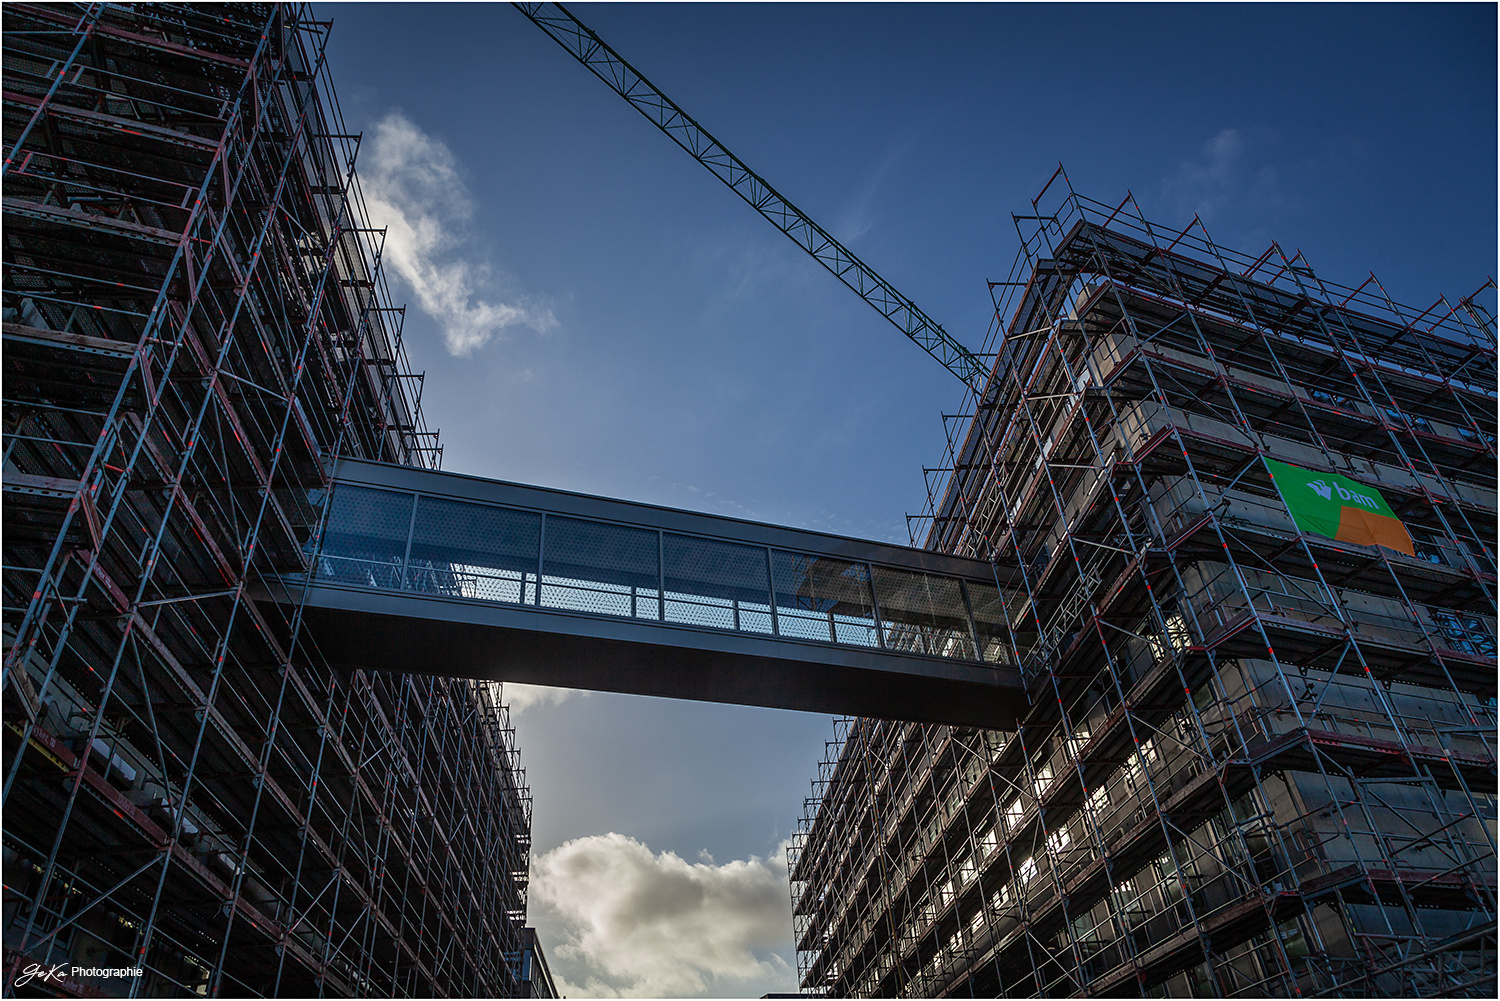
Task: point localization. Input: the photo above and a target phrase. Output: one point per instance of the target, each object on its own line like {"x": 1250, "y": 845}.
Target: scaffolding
{"x": 196, "y": 325}
{"x": 1258, "y": 761}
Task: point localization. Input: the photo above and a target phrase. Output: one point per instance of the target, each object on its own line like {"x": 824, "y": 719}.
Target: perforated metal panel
{"x": 593, "y": 566}
{"x": 647, "y": 605}
{"x": 923, "y": 613}
{"x": 473, "y": 550}
{"x": 364, "y": 541}
{"x": 822, "y": 598}
{"x": 719, "y": 584}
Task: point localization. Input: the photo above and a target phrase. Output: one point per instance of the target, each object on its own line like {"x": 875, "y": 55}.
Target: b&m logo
{"x": 1325, "y": 491}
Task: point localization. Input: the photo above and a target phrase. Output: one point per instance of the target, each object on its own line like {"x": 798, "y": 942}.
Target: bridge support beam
{"x": 404, "y": 632}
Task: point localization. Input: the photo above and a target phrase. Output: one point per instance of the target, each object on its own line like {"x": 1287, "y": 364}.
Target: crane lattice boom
{"x": 607, "y": 64}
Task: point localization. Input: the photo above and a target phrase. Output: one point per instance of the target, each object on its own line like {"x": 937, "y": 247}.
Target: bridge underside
{"x": 439, "y": 573}
{"x": 370, "y": 630}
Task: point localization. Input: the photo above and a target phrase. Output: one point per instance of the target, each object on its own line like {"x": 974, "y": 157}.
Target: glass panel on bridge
{"x": 364, "y": 541}
{"x": 821, "y": 598}
{"x": 923, "y": 613}
{"x": 489, "y": 552}
{"x": 719, "y": 584}
{"x": 474, "y": 551}
{"x": 990, "y": 622}
{"x": 592, "y": 566}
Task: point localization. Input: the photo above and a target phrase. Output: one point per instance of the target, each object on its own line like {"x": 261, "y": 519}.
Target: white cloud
{"x": 618, "y": 920}
{"x": 857, "y": 219}
{"x": 413, "y": 185}
{"x": 1224, "y": 174}
{"x": 754, "y": 266}
{"x": 519, "y": 697}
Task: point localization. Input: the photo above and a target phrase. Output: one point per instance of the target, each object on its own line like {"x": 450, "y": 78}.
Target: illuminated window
{"x": 1043, "y": 780}
{"x": 1078, "y": 739}
{"x": 1099, "y": 802}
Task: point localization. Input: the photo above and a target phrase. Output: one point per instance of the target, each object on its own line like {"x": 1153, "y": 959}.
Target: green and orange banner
{"x": 1337, "y": 507}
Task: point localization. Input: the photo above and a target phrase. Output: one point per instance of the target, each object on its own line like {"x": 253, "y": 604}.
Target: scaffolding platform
{"x": 1257, "y": 760}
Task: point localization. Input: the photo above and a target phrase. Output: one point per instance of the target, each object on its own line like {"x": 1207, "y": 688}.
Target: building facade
{"x": 1259, "y": 758}
{"x": 196, "y": 322}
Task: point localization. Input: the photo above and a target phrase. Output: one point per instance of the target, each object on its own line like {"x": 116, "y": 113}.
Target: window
{"x": 1332, "y": 399}
{"x": 1135, "y": 765}
{"x": 1084, "y": 931}
{"x": 1000, "y": 898}
{"x": 1292, "y": 941}
{"x": 1429, "y": 545}
{"x": 1401, "y": 418}
{"x": 1177, "y": 631}
{"x": 1167, "y": 877}
{"x": 1099, "y": 802}
{"x": 1466, "y": 633}
{"x": 1079, "y": 739}
{"x": 1148, "y": 751}
{"x": 1126, "y": 895}
{"x": 1470, "y": 433}
{"x": 1043, "y": 780}
{"x": 1174, "y": 637}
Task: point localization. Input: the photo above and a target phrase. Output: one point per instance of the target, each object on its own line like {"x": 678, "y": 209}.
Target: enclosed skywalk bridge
{"x": 423, "y": 571}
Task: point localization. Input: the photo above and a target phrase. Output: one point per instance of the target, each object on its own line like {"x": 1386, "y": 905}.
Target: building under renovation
{"x": 195, "y": 324}
{"x": 1254, "y": 516}
{"x": 1233, "y": 528}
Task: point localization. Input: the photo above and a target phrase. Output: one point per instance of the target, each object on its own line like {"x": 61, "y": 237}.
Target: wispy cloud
{"x": 413, "y": 185}
{"x": 519, "y": 697}
{"x": 753, "y": 264}
{"x": 1223, "y": 173}
{"x": 856, "y": 219}
{"x": 709, "y": 500}
{"x": 627, "y": 922}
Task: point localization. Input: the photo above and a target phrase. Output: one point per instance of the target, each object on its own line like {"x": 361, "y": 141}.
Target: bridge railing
{"x": 523, "y": 554}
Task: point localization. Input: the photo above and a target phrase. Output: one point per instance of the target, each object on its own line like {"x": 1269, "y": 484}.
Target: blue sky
{"x": 629, "y": 327}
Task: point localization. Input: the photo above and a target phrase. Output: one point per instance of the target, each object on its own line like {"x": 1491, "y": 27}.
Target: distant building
{"x": 536, "y": 977}
{"x": 1260, "y": 757}
{"x": 195, "y": 323}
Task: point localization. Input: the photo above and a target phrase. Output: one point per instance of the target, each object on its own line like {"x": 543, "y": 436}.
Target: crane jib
{"x": 605, "y": 63}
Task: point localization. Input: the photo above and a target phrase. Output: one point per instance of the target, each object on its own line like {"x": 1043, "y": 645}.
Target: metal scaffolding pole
{"x": 1258, "y": 760}
{"x": 196, "y": 325}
